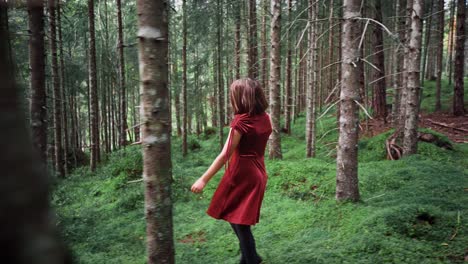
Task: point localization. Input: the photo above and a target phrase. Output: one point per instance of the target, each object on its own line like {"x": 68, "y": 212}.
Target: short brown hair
{"x": 247, "y": 96}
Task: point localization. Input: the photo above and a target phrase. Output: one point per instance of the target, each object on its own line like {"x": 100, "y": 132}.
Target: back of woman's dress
{"x": 239, "y": 195}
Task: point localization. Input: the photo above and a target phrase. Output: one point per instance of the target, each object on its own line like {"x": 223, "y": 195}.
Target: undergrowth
{"x": 411, "y": 211}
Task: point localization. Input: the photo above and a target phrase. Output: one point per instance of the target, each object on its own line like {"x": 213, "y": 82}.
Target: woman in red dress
{"x": 239, "y": 195}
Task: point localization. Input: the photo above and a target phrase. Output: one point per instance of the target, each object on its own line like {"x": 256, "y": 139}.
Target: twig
{"x": 326, "y": 110}
{"x": 363, "y": 109}
{"x": 134, "y": 181}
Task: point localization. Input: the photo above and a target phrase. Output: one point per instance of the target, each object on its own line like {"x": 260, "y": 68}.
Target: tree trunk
{"x": 347, "y": 154}
{"x": 399, "y": 130}
{"x": 450, "y": 46}
{"x": 426, "y": 65}
{"x": 458, "y": 91}
{"x": 184, "y": 79}
{"x": 153, "y": 59}
{"x": 94, "y": 105}
{"x": 264, "y": 72}
{"x": 123, "y": 93}
{"x": 440, "y": 52}
{"x": 52, "y": 5}
{"x": 38, "y": 89}
{"x": 253, "y": 61}
{"x": 288, "y": 87}
{"x": 221, "y": 120}
{"x": 410, "y": 138}
{"x": 399, "y": 57}
{"x": 275, "y": 70}
{"x": 311, "y": 92}
{"x": 380, "y": 97}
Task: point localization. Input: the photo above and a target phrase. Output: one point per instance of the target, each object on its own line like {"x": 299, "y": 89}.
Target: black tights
{"x": 247, "y": 244}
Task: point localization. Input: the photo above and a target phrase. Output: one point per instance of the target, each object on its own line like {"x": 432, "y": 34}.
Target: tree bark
{"x": 264, "y": 72}
{"x": 311, "y": 92}
{"x": 59, "y": 166}
{"x": 221, "y": 120}
{"x": 440, "y": 52}
{"x": 399, "y": 58}
{"x": 94, "y": 104}
{"x": 379, "y": 87}
{"x": 38, "y": 89}
{"x": 410, "y": 138}
{"x": 156, "y": 139}
{"x": 426, "y": 64}
{"x": 288, "y": 87}
{"x": 458, "y": 91}
{"x": 184, "y": 79}
{"x": 253, "y": 57}
{"x": 347, "y": 154}
{"x": 123, "y": 93}
{"x": 275, "y": 70}
{"x": 450, "y": 46}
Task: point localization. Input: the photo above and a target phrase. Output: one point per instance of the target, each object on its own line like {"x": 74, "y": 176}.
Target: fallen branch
{"x": 447, "y": 126}
{"x": 134, "y": 181}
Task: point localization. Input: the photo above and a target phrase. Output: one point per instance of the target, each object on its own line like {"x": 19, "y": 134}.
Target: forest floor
{"x": 454, "y": 127}
{"x": 412, "y": 210}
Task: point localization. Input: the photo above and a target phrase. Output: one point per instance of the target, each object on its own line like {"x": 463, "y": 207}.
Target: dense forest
{"x": 111, "y": 109}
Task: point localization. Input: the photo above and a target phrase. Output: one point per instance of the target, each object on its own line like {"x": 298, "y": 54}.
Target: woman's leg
{"x": 247, "y": 243}
{"x": 242, "y": 260}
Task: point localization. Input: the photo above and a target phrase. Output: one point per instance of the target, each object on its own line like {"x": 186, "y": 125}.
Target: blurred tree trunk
{"x": 123, "y": 93}
{"x": 410, "y": 137}
{"x": 153, "y": 59}
{"x": 427, "y": 62}
{"x": 275, "y": 70}
{"x": 347, "y": 154}
{"x": 184, "y": 79}
{"x": 237, "y": 40}
{"x": 311, "y": 92}
{"x": 93, "y": 90}
{"x": 38, "y": 89}
{"x": 253, "y": 53}
{"x": 176, "y": 96}
{"x": 59, "y": 166}
{"x": 458, "y": 91}
{"x": 440, "y": 51}
{"x": 380, "y": 96}
{"x": 331, "y": 47}
{"x": 28, "y": 233}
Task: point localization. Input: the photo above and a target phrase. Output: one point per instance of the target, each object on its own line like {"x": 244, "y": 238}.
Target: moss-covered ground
{"x": 412, "y": 210}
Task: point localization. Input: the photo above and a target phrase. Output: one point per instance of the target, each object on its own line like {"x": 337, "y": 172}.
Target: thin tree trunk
{"x": 311, "y": 93}
{"x": 399, "y": 57}
{"x": 450, "y": 47}
{"x": 153, "y": 59}
{"x": 426, "y": 65}
{"x": 94, "y": 105}
{"x": 184, "y": 80}
{"x": 275, "y": 70}
{"x": 220, "y": 84}
{"x": 379, "y": 87}
{"x": 264, "y": 72}
{"x": 123, "y": 93}
{"x": 458, "y": 91}
{"x": 237, "y": 40}
{"x": 38, "y": 89}
{"x": 440, "y": 52}
{"x": 253, "y": 57}
{"x": 347, "y": 154}
{"x": 59, "y": 166}
{"x": 288, "y": 87}
{"x": 410, "y": 138}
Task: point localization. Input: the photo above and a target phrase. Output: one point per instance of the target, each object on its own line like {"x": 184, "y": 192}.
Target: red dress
{"x": 239, "y": 195}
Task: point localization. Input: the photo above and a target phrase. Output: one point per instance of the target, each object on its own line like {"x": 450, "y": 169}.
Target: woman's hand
{"x": 198, "y": 186}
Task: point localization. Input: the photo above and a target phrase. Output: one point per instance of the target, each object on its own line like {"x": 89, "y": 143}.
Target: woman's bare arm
{"x": 218, "y": 162}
